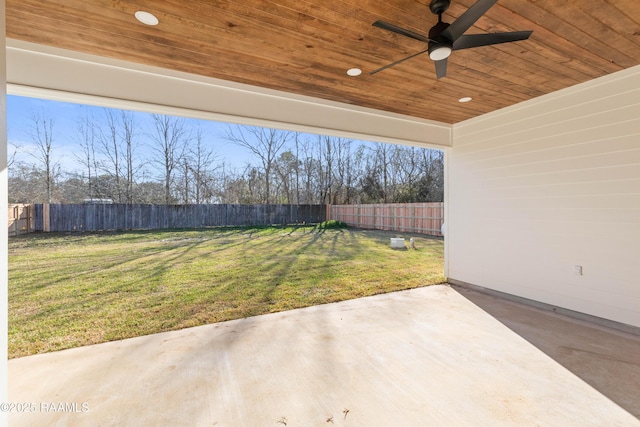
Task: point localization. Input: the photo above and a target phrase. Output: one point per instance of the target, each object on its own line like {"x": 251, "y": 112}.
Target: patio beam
{"x": 52, "y": 73}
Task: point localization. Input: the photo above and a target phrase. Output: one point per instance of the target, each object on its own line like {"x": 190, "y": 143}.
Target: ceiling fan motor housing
{"x": 436, "y": 40}
{"x": 436, "y": 31}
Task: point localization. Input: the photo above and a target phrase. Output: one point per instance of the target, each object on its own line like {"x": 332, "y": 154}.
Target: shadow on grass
{"x": 268, "y": 258}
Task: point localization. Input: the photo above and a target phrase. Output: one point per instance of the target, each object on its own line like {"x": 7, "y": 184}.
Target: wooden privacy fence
{"x": 99, "y": 217}
{"x": 20, "y": 219}
{"x": 422, "y": 218}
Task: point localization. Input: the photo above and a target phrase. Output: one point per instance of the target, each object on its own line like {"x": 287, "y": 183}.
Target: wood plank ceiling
{"x": 306, "y": 46}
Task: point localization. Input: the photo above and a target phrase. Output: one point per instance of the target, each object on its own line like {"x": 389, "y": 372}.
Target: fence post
{"x": 16, "y": 219}
{"x": 413, "y": 218}
{"x": 328, "y": 213}
{"x": 393, "y": 219}
{"x": 46, "y": 218}
{"x": 373, "y": 217}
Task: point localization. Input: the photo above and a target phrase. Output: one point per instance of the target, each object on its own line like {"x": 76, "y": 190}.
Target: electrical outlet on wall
{"x": 577, "y": 270}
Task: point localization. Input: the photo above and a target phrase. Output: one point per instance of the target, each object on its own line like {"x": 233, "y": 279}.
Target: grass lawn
{"x": 70, "y": 290}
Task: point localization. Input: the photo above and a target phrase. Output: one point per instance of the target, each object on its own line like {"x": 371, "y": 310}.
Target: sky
{"x": 65, "y": 116}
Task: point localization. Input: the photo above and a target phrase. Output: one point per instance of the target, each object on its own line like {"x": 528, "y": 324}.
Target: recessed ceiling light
{"x": 465, "y": 99}
{"x": 146, "y": 18}
{"x": 353, "y": 72}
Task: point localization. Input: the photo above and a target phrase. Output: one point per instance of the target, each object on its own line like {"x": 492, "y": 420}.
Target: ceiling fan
{"x": 444, "y": 38}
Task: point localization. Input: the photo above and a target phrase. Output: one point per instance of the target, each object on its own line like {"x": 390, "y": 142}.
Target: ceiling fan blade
{"x": 402, "y": 31}
{"x": 476, "y": 40}
{"x": 467, "y": 19}
{"x": 441, "y": 68}
{"x": 397, "y": 62}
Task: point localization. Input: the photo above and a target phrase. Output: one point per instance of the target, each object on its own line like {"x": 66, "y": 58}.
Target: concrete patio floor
{"x": 433, "y": 356}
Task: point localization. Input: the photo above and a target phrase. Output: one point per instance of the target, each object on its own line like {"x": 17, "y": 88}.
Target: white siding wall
{"x": 543, "y": 186}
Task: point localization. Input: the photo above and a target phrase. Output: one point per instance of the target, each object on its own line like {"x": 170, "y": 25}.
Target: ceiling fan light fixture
{"x": 440, "y": 52}
{"x": 146, "y": 18}
{"x": 353, "y": 72}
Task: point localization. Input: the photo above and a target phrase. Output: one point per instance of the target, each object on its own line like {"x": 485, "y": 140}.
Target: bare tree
{"x": 12, "y": 152}
{"x": 203, "y": 166}
{"x": 434, "y": 175}
{"x": 325, "y": 173}
{"x": 265, "y": 144}
{"x": 338, "y": 172}
{"x": 41, "y": 132}
{"x": 169, "y": 142}
{"x": 184, "y": 177}
{"x": 342, "y": 167}
{"x": 86, "y": 138}
{"x": 383, "y": 155}
{"x": 298, "y": 164}
{"x": 286, "y": 167}
{"x": 128, "y": 135}
{"x": 310, "y": 168}
{"x": 110, "y": 148}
